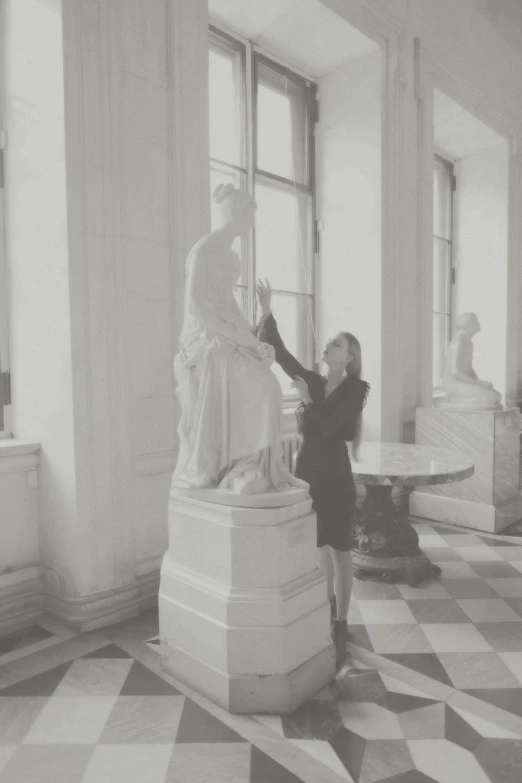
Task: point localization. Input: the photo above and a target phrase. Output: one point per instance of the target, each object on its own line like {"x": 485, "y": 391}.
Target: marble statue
{"x": 231, "y": 401}
{"x": 463, "y": 387}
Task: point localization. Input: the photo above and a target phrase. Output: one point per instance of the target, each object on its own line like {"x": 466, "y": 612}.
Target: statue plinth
{"x": 243, "y": 609}
{"x": 225, "y": 497}
{"x": 490, "y": 499}
{"x": 466, "y": 404}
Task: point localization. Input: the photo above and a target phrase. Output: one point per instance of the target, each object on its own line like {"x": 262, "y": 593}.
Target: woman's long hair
{"x": 354, "y": 370}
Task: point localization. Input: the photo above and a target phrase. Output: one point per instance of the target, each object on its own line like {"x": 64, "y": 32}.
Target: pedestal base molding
{"x": 252, "y": 693}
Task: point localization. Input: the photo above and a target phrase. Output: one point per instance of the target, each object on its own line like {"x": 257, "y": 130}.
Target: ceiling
{"x": 457, "y": 133}
{"x": 303, "y": 33}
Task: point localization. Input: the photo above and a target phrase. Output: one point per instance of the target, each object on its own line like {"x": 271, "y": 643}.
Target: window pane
{"x": 442, "y": 200}
{"x": 293, "y": 317}
{"x": 440, "y": 345}
{"x": 282, "y": 120}
{"x": 441, "y": 276}
{"x": 226, "y": 105}
{"x": 283, "y": 241}
{"x": 222, "y": 174}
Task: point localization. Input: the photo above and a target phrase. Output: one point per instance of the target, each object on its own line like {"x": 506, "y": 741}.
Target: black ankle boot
{"x": 333, "y": 608}
{"x": 339, "y": 636}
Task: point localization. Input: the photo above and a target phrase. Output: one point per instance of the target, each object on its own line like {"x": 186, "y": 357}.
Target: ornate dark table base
{"x": 388, "y": 545}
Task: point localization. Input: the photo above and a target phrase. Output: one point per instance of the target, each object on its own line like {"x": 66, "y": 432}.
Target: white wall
{"x": 481, "y": 202}
{"x": 36, "y": 235}
{"x": 349, "y": 202}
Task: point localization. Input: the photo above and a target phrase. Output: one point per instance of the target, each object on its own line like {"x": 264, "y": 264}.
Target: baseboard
{"x": 23, "y": 598}
{"x": 466, "y": 513}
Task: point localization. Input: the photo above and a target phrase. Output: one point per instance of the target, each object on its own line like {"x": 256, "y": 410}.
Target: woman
{"x": 328, "y": 416}
{"x": 231, "y": 403}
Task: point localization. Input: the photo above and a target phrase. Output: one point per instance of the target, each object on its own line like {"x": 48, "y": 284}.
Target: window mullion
{"x": 250, "y": 166}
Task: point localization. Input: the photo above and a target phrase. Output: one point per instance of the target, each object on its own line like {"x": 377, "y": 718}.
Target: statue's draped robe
{"x": 231, "y": 402}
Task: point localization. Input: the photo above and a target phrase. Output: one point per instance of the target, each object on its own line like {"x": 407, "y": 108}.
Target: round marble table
{"x": 388, "y": 544}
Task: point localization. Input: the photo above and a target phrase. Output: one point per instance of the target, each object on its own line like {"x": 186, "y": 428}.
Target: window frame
{"x": 449, "y": 167}
{"x": 5, "y": 378}
{"x": 252, "y": 57}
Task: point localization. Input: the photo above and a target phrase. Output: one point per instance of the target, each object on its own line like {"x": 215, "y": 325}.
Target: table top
{"x": 408, "y": 464}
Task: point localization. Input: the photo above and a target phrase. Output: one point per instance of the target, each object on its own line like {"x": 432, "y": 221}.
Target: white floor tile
{"x": 128, "y": 764}
{"x": 455, "y": 637}
{"x": 446, "y": 762}
{"x": 74, "y": 721}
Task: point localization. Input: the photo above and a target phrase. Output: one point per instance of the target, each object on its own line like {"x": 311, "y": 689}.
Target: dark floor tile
{"x": 501, "y": 759}
{"x": 499, "y": 541}
{"x": 198, "y": 725}
{"x": 110, "y": 651}
{"x": 263, "y": 769}
{"x": 437, "y": 610}
{"x": 509, "y": 699}
{"x": 442, "y": 554}
{"x": 142, "y": 682}
{"x": 357, "y": 634}
{"x": 34, "y": 631}
{"x": 43, "y": 684}
{"x": 459, "y": 732}
{"x": 411, "y": 776}
{"x": 515, "y": 603}
{"x": 385, "y": 758}
{"x": 502, "y": 636}
{"x": 403, "y": 702}
{"x": 424, "y": 663}
{"x": 469, "y": 588}
{"x": 7, "y": 644}
{"x": 315, "y": 720}
{"x": 364, "y": 687}
{"x": 350, "y": 748}
{"x": 495, "y": 570}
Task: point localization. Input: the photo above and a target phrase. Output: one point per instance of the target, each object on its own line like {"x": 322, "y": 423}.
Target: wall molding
{"x": 152, "y": 464}
{"x": 17, "y": 456}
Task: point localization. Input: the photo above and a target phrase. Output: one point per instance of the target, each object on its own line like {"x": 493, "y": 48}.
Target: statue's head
{"x": 468, "y": 322}
{"x": 237, "y": 208}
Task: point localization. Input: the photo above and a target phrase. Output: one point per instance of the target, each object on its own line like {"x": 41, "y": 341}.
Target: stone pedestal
{"x": 243, "y": 610}
{"x": 490, "y": 499}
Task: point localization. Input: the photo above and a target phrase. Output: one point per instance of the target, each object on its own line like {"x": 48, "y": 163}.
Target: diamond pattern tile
{"x": 106, "y": 716}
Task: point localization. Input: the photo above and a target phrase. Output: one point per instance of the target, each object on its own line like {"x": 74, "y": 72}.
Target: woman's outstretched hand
{"x": 301, "y": 388}
{"x": 264, "y": 295}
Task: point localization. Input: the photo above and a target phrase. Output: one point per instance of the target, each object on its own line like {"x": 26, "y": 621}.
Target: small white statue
{"x": 463, "y": 387}
{"x": 231, "y": 401}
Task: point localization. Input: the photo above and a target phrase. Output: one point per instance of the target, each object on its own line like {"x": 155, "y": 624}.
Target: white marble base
{"x": 252, "y": 693}
{"x": 244, "y": 616}
{"x": 273, "y": 499}
{"x": 465, "y": 513}
{"x": 490, "y": 499}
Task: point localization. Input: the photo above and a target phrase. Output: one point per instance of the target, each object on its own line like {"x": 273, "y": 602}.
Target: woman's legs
{"x": 325, "y": 563}
{"x": 343, "y": 580}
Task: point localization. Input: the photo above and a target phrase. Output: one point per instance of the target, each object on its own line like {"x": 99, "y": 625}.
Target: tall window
{"x": 262, "y": 118}
{"x": 4, "y": 358}
{"x": 443, "y": 270}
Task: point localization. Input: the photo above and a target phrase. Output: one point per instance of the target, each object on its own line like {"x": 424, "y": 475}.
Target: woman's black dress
{"x": 322, "y": 460}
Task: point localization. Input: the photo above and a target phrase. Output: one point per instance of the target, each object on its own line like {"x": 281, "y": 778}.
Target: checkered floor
{"x": 431, "y": 691}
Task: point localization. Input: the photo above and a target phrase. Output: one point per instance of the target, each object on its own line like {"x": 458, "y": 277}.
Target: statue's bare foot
{"x": 250, "y": 483}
